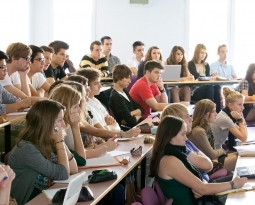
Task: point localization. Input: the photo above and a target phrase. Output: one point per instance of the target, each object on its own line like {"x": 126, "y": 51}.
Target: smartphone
{"x": 56, "y": 129}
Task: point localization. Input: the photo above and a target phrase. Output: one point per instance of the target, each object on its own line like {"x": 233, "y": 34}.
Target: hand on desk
{"x": 239, "y": 182}
{"x": 132, "y": 132}
{"x": 111, "y": 144}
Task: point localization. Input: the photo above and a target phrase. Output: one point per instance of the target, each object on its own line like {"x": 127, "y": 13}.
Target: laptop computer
{"x": 171, "y": 73}
{"x": 73, "y": 190}
{"x": 248, "y": 171}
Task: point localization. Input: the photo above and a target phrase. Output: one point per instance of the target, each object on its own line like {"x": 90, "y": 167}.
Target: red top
{"x": 141, "y": 91}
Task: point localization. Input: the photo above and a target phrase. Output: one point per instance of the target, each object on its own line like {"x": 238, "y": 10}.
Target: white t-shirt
{"x": 37, "y": 80}
{"x": 6, "y": 81}
{"x": 220, "y": 129}
{"x": 98, "y": 111}
{"x": 15, "y": 78}
{"x": 133, "y": 63}
{"x": 124, "y": 95}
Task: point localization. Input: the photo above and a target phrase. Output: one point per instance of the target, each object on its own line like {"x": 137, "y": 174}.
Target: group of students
{"x": 71, "y": 125}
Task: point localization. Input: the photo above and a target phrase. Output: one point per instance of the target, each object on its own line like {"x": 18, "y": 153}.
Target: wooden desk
{"x": 101, "y": 189}
{"x": 7, "y": 129}
{"x": 249, "y": 102}
{"x": 243, "y": 197}
{"x": 196, "y": 82}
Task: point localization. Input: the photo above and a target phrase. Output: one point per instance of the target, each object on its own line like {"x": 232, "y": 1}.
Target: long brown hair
{"x": 168, "y": 128}
{"x": 172, "y": 61}
{"x": 148, "y": 54}
{"x": 39, "y": 125}
{"x": 201, "y": 109}
{"x": 197, "y": 50}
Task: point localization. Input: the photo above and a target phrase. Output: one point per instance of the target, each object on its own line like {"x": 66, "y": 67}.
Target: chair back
{"x": 133, "y": 80}
{"x": 149, "y": 197}
{"x": 160, "y": 194}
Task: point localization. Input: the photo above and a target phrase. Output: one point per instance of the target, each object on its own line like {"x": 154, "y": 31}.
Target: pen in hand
{"x": 125, "y": 126}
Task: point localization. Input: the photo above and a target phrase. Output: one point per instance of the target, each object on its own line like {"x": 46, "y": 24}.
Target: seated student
{"x": 149, "y": 91}
{"x": 18, "y": 61}
{"x": 178, "y": 178}
{"x": 95, "y": 59}
{"x": 177, "y": 57}
{"x": 107, "y": 48}
{"x": 153, "y": 53}
{"x": 194, "y": 155}
{"x": 38, "y": 82}
{"x": 98, "y": 113}
{"x": 198, "y": 67}
{"x": 202, "y": 136}
{"x": 126, "y": 111}
{"x": 48, "y": 52}
{"x": 6, "y": 177}
{"x": 247, "y": 88}
{"x": 55, "y": 71}
{"x": 87, "y": 129}
{"x": 230, "y": 121}
{"x": 221, "y": 67}
{"x": 8, "y": 102}
{"x": 138, "y": 50}
{"x": 40, "y": 155}
{"x": 62, "y": 93}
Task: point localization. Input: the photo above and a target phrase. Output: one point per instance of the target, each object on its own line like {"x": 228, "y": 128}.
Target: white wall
{"x": 162, "y": 23}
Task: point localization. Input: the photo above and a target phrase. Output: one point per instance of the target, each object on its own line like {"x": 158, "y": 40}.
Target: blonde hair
{"x": 175, "y": 109}
{"x": 231, "y": 96}
{"x": 17, "y": 50}
{"x": 67, "y": 96}
{"x": 201, "y": 109}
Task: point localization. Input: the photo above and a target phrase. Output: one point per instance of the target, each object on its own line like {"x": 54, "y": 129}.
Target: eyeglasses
{"x": 40, "y": 59}
{"x": 27, "y": 58}
{"x": 3, "y": 66}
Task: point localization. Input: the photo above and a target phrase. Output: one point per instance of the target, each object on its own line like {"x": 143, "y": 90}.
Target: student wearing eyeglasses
{"x": 8, "y": 102}
{"x": 15, "y": 80}
{"x": 38, "y": 84}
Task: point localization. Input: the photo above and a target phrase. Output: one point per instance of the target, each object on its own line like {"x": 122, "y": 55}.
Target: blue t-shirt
{"x": 190, "y": 147}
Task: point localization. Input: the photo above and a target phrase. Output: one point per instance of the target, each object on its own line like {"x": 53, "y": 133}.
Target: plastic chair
{"x": 219, "y": 173}
{"x": 160, "y": 194}
{"x": 149, "y": 196}
{"x": 133, "y": 80}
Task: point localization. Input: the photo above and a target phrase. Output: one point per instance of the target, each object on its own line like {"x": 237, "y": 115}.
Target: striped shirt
{"x": 101, "y": 64}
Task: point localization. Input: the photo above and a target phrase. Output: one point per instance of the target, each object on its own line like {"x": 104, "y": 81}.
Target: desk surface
{"x": 196, "y": 82}
{"x": 101, "y": 189}
{"x": 243, "y": 197}
{"x": 13, "y": 119}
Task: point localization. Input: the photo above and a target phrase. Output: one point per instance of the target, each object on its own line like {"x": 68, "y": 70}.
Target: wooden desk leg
{"x": 7, "y": 138}
{"x": 143, "y": 172}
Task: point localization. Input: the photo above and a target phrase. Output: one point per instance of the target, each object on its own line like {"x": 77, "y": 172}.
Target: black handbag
{"x": 101, "y": 175}
{"x": 85, "y": 195}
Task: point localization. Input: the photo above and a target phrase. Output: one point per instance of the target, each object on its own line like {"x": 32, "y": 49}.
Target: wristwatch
{"x": 162, "y": 91}
{"x": 232, "y": 183}
{"x": 240, "y": 120}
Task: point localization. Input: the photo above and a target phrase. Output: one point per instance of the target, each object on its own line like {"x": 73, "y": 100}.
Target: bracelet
{"x": 121, "y": 132}
{"x": 162, "y": 91}
{"x": 59, "y": 141}
{"x": 71, "y": 157}
{"x": 232, "y": 183}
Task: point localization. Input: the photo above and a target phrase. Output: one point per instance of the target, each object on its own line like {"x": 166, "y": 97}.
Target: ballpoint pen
{"x": 125, "y": 126}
